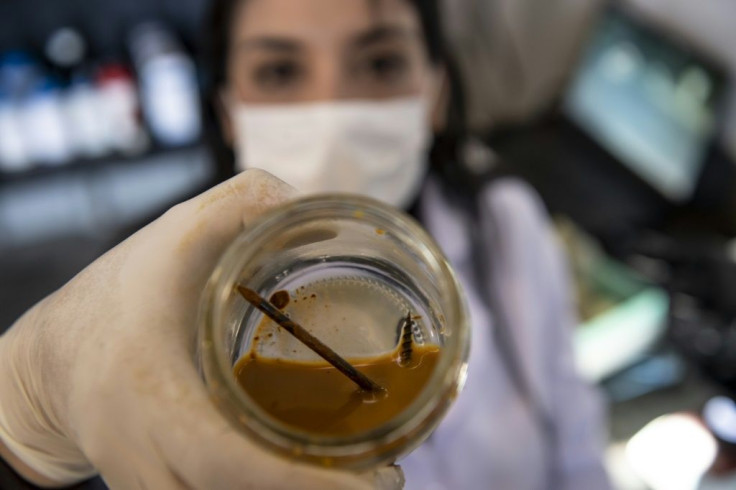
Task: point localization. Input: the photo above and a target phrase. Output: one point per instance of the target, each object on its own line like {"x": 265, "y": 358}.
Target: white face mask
{"x": 378, "y": 149}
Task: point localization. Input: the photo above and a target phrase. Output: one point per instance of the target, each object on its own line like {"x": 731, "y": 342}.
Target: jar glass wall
{"x": 353, "y": 268}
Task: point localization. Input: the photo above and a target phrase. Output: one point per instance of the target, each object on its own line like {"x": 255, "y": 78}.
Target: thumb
{"x": 242, "y": 197}
{"x": 205, "y": 225}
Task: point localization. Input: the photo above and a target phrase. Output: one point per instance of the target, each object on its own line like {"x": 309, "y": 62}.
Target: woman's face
{"x": 326, "y": 53}
{"x": 287, "y": 51}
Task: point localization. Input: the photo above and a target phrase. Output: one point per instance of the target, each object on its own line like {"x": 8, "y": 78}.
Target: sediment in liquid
{"x": 315, "y": 397}
{"x": 357, "y": 317}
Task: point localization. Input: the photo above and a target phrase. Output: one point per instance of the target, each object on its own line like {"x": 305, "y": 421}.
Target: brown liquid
{"x": 315, "y": 397}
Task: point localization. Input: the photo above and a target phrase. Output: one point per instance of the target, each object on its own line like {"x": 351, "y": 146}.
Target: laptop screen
{"x": 650, "y": 103}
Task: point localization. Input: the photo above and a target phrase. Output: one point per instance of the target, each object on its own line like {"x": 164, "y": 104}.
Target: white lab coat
{"x": 490, "y": 439}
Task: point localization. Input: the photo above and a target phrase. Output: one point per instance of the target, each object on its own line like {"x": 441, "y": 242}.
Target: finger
{"x": 221, "y": 212}
{"x": 243, "y": 463}
{"x": 199, "y": 230}
{"x": 242, "y": 197}
{"x": 208, "y": 452}
{"x": 133, "y": 478}
{"x": 386, "y": 478}
{"x": 138, "y": 467}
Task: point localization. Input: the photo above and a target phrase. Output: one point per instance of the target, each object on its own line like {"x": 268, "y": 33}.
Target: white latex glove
{"x": 100, "y": 376}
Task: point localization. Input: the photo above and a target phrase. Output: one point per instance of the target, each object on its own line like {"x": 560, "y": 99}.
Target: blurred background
{"x": 630, "y": 140}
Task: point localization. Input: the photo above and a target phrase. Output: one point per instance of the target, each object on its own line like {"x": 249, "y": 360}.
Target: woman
{"x": 350, "y": 105}
{"x": 328, "y": 95}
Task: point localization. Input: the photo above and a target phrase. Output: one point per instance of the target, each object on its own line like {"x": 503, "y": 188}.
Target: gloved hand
{"x": 100, "y": 376}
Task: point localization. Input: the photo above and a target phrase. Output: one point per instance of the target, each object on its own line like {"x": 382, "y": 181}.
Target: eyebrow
{"x": 271, "y": 43}
{"x": 382, "y": 33}
{"x": 374, "y": 35}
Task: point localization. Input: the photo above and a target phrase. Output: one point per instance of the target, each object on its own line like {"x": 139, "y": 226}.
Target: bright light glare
{"x": 672, "y": 452}
{"x": 720, "y": 415}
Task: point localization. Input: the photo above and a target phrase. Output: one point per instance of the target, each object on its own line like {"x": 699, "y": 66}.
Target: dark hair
{"x": 214, "y": 54}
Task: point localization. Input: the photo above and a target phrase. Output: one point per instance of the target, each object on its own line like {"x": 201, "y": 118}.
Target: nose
{"x": 329, "y": 81}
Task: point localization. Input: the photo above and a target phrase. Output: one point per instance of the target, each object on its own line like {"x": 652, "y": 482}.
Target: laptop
{"x": 632, "y": 135}
{"x": 651, "y": 102}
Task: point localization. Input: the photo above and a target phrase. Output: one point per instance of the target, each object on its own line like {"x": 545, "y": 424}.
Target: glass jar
{"x": 370, "y": 264}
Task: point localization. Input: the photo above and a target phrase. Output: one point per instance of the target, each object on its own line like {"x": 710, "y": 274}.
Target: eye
{"x": 275, "y": 75}
{"x": 387, "y": 67}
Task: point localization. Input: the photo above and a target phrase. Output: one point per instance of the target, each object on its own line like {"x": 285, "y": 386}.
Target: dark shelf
{"x": 92, "y": 164}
